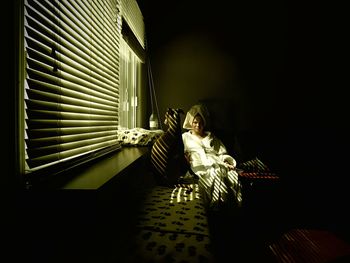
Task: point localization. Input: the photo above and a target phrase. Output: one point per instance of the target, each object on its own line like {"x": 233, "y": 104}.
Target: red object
{"x": 310, "y": 246}
{"x": 258, "y": 175}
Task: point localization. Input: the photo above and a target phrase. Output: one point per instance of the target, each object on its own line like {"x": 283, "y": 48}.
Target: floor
{"x": 244, "y": 235}
{"x": 57, "y": 230}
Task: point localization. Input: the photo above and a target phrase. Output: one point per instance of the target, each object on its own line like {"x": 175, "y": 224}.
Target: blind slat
{"x": 59, "y": 105}
{"x": 63, "y": 54}
{"x": 60, "y": 62}
{"x": 40, "y": 89}
{"x": 39, "y": 123}
{"x": 62, "y": 156}
{"x": 62, "y": 147}
{"x": 94, "y": 63}
{"x": 84, "y": 19}
{"x": 52, "y": 132}
{"x": 45, "y": 76}
{"x": 67, "y": 40}
{"x": 52, "y": 68}
{"x": 45, "y": 141}
{"x": 61, "y": 115}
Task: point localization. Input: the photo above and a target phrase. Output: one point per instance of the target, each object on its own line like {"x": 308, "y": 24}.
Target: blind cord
{"x": 152, "y": 90}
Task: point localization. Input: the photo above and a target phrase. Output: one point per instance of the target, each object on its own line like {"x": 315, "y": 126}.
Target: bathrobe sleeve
{"x": 220, "y": 150}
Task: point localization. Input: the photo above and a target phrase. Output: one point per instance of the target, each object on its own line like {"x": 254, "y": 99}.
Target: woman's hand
{"x": 229, "y": 166}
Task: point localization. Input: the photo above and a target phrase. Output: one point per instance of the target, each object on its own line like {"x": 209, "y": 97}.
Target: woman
{"x": 210, "y": 161}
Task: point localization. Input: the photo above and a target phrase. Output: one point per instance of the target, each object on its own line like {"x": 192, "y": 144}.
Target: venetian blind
{"x": 72, "y": 79}
{"x": 133, "y": 16}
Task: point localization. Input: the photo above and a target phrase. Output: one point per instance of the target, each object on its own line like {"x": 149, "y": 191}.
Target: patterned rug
{"x": 172, "y": 227}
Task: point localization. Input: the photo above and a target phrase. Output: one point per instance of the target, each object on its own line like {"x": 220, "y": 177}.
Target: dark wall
{"x": 9, "y": 180}
{"x": 9, "y": 80}
{"x": 270, "y": 65}
{"x": 264, "y": 59}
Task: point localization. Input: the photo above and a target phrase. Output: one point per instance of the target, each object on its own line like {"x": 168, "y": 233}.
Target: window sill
{"x": 96, "y": 175}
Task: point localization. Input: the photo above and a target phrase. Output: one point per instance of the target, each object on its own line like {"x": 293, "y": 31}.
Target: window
{"x": 79, "y": 72}
{"x": 130, "y": 71}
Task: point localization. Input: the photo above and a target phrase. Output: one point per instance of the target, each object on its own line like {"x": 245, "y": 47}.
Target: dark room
{"x": 113, "y": 110}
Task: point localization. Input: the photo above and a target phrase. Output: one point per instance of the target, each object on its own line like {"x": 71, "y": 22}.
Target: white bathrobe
{"x": 207, "y": 156}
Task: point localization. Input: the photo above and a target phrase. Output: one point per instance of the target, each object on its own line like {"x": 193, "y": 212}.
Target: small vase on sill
{"x": 153, "y": 122}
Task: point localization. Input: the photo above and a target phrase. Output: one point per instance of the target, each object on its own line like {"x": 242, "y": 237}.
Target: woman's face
{"x": 198, "y": 125}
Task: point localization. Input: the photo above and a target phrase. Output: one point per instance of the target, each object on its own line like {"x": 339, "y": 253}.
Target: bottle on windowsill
{"x": 153, "y": 122}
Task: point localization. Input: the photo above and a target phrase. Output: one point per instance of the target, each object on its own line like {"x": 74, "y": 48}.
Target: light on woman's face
{"x": 197, "y": 124}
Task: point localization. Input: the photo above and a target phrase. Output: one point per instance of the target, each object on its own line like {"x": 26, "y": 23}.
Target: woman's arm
{"x": 222, "y": 153}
